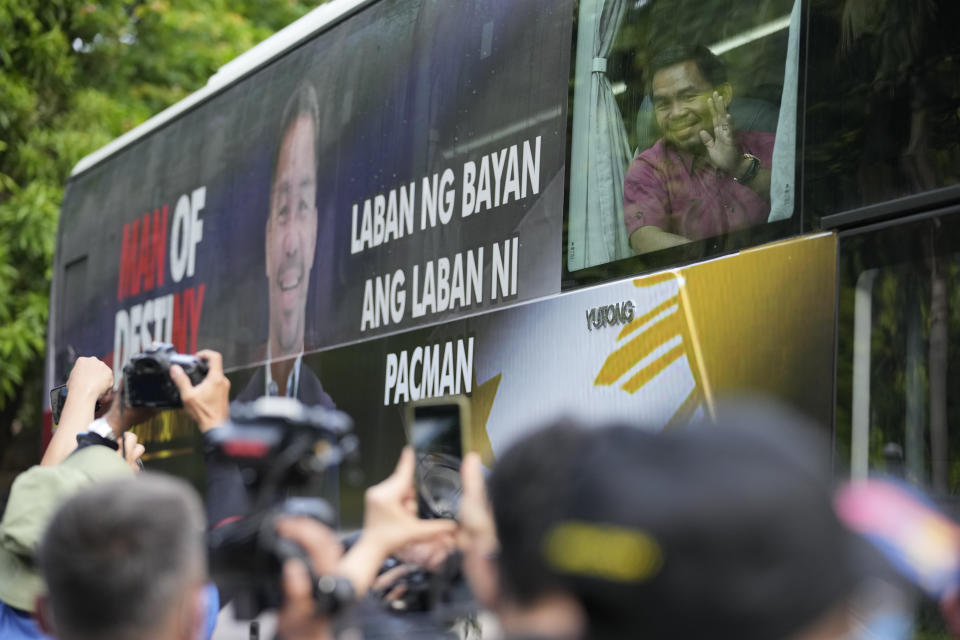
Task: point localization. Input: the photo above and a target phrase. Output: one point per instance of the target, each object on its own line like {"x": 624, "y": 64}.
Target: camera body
{"x": 281, "y": 446}
{"x": 442, "y": 592}
{"x": 247, "y": 555}
{"x": 146, "y": 378}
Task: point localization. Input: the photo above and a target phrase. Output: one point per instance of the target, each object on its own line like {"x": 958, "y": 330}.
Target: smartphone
{"x": 58, "y": 398}
{"x": 439, "y": 432}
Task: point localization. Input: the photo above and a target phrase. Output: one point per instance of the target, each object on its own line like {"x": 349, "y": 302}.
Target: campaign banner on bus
{"x": 403, "y": 167}
{"x": 657, "y": 351}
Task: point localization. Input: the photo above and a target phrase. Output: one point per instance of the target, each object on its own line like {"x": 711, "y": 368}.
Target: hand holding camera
{"x": 157, "y": 379}
{"x": 208, "y": 403}
{"x": 297, "y": 617}
{"x": 147, "y": 380}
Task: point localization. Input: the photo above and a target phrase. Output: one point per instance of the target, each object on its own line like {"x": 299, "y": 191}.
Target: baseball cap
{"x": 34, "y": 498}
{"x": 918, "y": 540}
{"x": 724, "y": 529}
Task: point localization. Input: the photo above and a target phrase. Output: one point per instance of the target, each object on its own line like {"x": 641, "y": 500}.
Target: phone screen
{"x": 436, "y": 433}
{"x": 58, "y": 397}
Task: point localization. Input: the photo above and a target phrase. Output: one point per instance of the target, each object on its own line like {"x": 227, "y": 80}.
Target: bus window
{"x": 679, "y": 111}
{"x": 881, "y": 107}
{"x": 70, "y": 297}
{"x": 898, "y": 337}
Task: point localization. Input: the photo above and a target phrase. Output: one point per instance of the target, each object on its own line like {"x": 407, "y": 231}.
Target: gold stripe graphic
{"x": 655, "y": 279}
{"x": 627, "y": 356}
{"x": 650, "y": 371}
{"x": 636, "y": 323}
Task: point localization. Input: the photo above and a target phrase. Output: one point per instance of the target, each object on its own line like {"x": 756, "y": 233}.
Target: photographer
{"x": 138, "y": 547}
{"x": 125, "y": 559}
{"x": 501, "y": 543}
{"x": 208, "y": 403}
{"x": 390, "y": 524}
{"x": 37, "y": 492}
{"x": 726, "y": 529}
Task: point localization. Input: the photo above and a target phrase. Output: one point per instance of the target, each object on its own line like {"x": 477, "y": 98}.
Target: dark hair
{"x": 133, "y": 544}
{"x": 709, "y": 65}
{"x": 527, "y": 495}
{"x": 302, "y": 103}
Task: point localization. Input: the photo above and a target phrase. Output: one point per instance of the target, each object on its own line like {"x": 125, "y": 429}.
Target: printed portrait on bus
{"x": 684, "y": 122}
{"x": 290, "y": 243}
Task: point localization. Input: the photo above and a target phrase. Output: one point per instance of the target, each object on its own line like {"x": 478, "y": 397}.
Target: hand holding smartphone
{"x": 439, "y": 432}
{"x": 58, "y": 398}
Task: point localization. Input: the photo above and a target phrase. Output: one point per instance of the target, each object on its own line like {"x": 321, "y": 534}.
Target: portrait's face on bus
{"x": 291, "y": 234}
{"x": 681, "y": 104}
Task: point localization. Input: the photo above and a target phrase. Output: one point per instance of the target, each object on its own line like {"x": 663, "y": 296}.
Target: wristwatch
{"x": 751, "y": 171}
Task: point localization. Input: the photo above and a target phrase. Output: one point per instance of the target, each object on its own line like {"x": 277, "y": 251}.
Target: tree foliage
{"x": 74, "y": 75}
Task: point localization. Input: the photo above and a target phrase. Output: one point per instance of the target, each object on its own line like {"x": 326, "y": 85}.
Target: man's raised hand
{"x": 722, "y": 148}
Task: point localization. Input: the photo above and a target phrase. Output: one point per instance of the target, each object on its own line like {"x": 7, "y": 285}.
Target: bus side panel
{"x": 439, "y": 152}
{"x": 660, "y": 351}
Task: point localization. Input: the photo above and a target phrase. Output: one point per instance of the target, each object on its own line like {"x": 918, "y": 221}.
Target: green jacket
{"x": 34, "y": 498}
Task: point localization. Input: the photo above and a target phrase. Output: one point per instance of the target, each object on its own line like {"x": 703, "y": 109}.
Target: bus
{"x": 392, "y": 200}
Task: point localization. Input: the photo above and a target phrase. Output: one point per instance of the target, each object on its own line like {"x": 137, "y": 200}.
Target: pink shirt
{"x": 664, "y": 189}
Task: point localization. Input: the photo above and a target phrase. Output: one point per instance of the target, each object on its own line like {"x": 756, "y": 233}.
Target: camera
{"x": 282, "y": 448}
{"x": 146, "y": 378}
{"x": 442, "y": 591}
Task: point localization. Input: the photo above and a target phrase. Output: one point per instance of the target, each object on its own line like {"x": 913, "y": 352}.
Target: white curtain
{"x": 609, "y": 153}
{"x": 601, "y": 152}
{"x": 782, "y": 175}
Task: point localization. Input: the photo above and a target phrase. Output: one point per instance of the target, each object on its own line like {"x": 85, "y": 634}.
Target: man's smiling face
{"x": 291, "y": 235}
{"x": 681, "y": 105}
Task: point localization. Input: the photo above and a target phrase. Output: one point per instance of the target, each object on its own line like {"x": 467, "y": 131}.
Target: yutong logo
{"x": 611, "y": 315}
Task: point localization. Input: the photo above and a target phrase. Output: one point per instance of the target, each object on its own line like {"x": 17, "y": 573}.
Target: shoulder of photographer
{"x": 34, "y": 497}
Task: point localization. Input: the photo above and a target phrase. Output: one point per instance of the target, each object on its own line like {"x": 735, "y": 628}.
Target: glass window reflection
{"x": 676, "y": 109}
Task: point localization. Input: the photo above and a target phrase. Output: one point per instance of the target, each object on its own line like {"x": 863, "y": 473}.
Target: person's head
{"x": 125, "y": 560}
{"x": 526, "y": 494}
{"x": 291, "y": 231}
{"x": 724, "y": 527}
{"x": 681, "y": 80}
